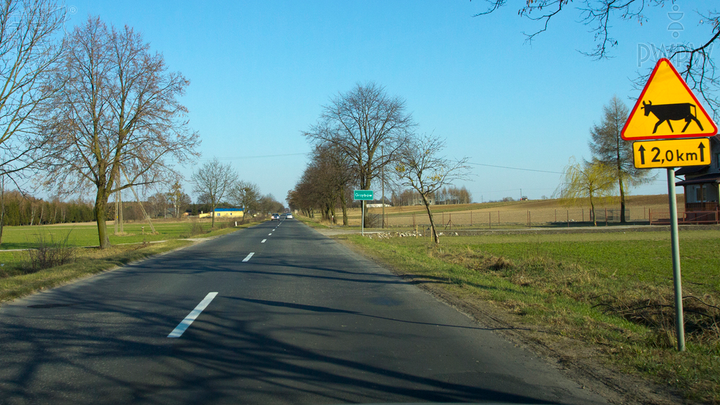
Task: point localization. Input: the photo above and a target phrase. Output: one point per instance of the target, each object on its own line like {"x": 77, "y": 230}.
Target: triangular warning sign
{"x": 667, "y": 109}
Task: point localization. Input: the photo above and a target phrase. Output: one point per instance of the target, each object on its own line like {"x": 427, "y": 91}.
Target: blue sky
{"x": 260, "y": 72}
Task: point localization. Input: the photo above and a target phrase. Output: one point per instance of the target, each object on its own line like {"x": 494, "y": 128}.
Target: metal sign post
{"x": 675, "y": 246}
{"x": 362, "y": 195}
{"x": 362, "y": 219}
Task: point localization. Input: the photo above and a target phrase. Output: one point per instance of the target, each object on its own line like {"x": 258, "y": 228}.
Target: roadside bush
{"x": 196, "y": 229}
{"x": 49, "y": 253}
{"x": 373, "y": 220}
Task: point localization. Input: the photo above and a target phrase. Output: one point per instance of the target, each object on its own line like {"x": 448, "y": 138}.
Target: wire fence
{"x": 508, "y": 218}
{"x": 662, "y": 217}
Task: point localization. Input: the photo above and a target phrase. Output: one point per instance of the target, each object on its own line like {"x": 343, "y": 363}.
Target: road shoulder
{"x": 575, "y": 359}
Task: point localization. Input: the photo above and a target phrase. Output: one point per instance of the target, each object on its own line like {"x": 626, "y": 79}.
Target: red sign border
{"x": 642, "y": 95}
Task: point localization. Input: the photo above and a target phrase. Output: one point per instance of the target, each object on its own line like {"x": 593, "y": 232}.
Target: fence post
{"x": 490, "y": 219}
{"x": 470, "y": 218}
{"x": 583, "y": 214}
{"x": 568, "y": 217}
{"x": 606, "y": 219}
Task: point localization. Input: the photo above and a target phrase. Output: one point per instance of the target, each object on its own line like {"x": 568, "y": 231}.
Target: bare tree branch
{"x": 698, "y": 67}
{"x": 30, "y": 49}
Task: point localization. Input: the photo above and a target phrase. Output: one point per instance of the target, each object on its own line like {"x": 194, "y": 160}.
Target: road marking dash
{"x": 270, "y": 234}
{"x": 263, "y": 241}
{"x": 182, "y": 326}
{"x": 247, "y": 258}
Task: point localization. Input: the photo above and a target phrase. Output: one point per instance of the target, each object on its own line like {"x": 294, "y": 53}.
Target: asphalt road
{"x": 300, "y": 320}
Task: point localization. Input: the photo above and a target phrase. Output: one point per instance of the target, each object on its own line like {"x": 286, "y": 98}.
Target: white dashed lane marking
{"x": 182, "y": 326}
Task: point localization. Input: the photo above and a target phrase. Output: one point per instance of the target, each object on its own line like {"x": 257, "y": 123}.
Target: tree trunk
{"x": 2, "y": 205}
{"x": 364, "y": 185}
{"x": 622, "y": 203}
{"x": 121, "y": 220}
{"x": 435, "y": 237}
{"x": 100, "y": 211}
{"x": 592, "y": 212}
{"x": 343, "y": 204}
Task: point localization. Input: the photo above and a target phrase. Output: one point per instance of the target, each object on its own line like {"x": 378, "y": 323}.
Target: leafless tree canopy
{"x": 246, "y": 195}
{"x": 420, "y": 167}
{"x": 693, "y": 60}
{"x": 30, "y": 47}
{"x": 116, "y": 118}
{"x": 325, "y": 184}
{"x": 358, "y": 123}
{"x": 214, "y": 180}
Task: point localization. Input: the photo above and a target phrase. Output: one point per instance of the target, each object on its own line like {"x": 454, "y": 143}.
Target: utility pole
{"x": 382, "y": 153}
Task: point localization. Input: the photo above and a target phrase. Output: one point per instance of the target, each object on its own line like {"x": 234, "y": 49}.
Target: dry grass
{"x": 513, "y": 213}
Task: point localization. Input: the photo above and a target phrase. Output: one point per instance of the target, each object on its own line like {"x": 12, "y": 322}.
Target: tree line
{"x": 21, "y": 209}
{"x": 444, "y": 196}
{"x": 365, "y": 136}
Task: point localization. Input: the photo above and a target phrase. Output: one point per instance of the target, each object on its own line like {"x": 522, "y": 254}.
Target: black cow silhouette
{"x": 672, "y": 112}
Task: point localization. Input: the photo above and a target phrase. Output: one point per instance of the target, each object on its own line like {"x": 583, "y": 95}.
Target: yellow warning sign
{"x": 671, "y": 153}
{"x": 667, "y": 109}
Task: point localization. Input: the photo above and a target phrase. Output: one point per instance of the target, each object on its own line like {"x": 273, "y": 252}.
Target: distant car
{"x": 275, "y": 217}
{"x": 288, "y": 216}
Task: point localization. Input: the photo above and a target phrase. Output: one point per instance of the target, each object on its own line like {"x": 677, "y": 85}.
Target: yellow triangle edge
{"x": 667, "y": 113}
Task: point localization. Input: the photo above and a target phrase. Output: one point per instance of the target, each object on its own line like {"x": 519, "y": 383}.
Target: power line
{"x": 514, "y": 168}
{"x": 258, "y": 156}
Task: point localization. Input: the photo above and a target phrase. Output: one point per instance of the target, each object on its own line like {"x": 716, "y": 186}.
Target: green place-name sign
{"x": 366, "y": 195}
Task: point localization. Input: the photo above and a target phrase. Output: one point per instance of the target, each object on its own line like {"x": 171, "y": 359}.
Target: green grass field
{"x": 610, "y": 290}
{"x": 83, "y": 235}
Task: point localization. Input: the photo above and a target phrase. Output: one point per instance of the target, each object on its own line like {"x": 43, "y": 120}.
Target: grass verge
{"x": 18, "y": 277}
{"x": 611, "y": 292}
{"x": 87, "y": 262}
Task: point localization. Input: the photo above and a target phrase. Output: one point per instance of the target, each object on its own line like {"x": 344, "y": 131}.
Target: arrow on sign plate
{"x": 670, "y": 153}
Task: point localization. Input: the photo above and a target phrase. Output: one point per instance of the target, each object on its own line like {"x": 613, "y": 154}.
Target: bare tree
{"x": 268, "y": 204}
{"x": 118, "y": 115}
{"x": 213, "y": 181}
{"x": 332, "y": 172}
{"x": 29, "y": 52}
{"x": 419, "y": 166}
{"x": 358, "y": 123}
{"x": 608, "y": 147}
{"x": 247, "y": 196}
{"x": 694, "y": 62}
